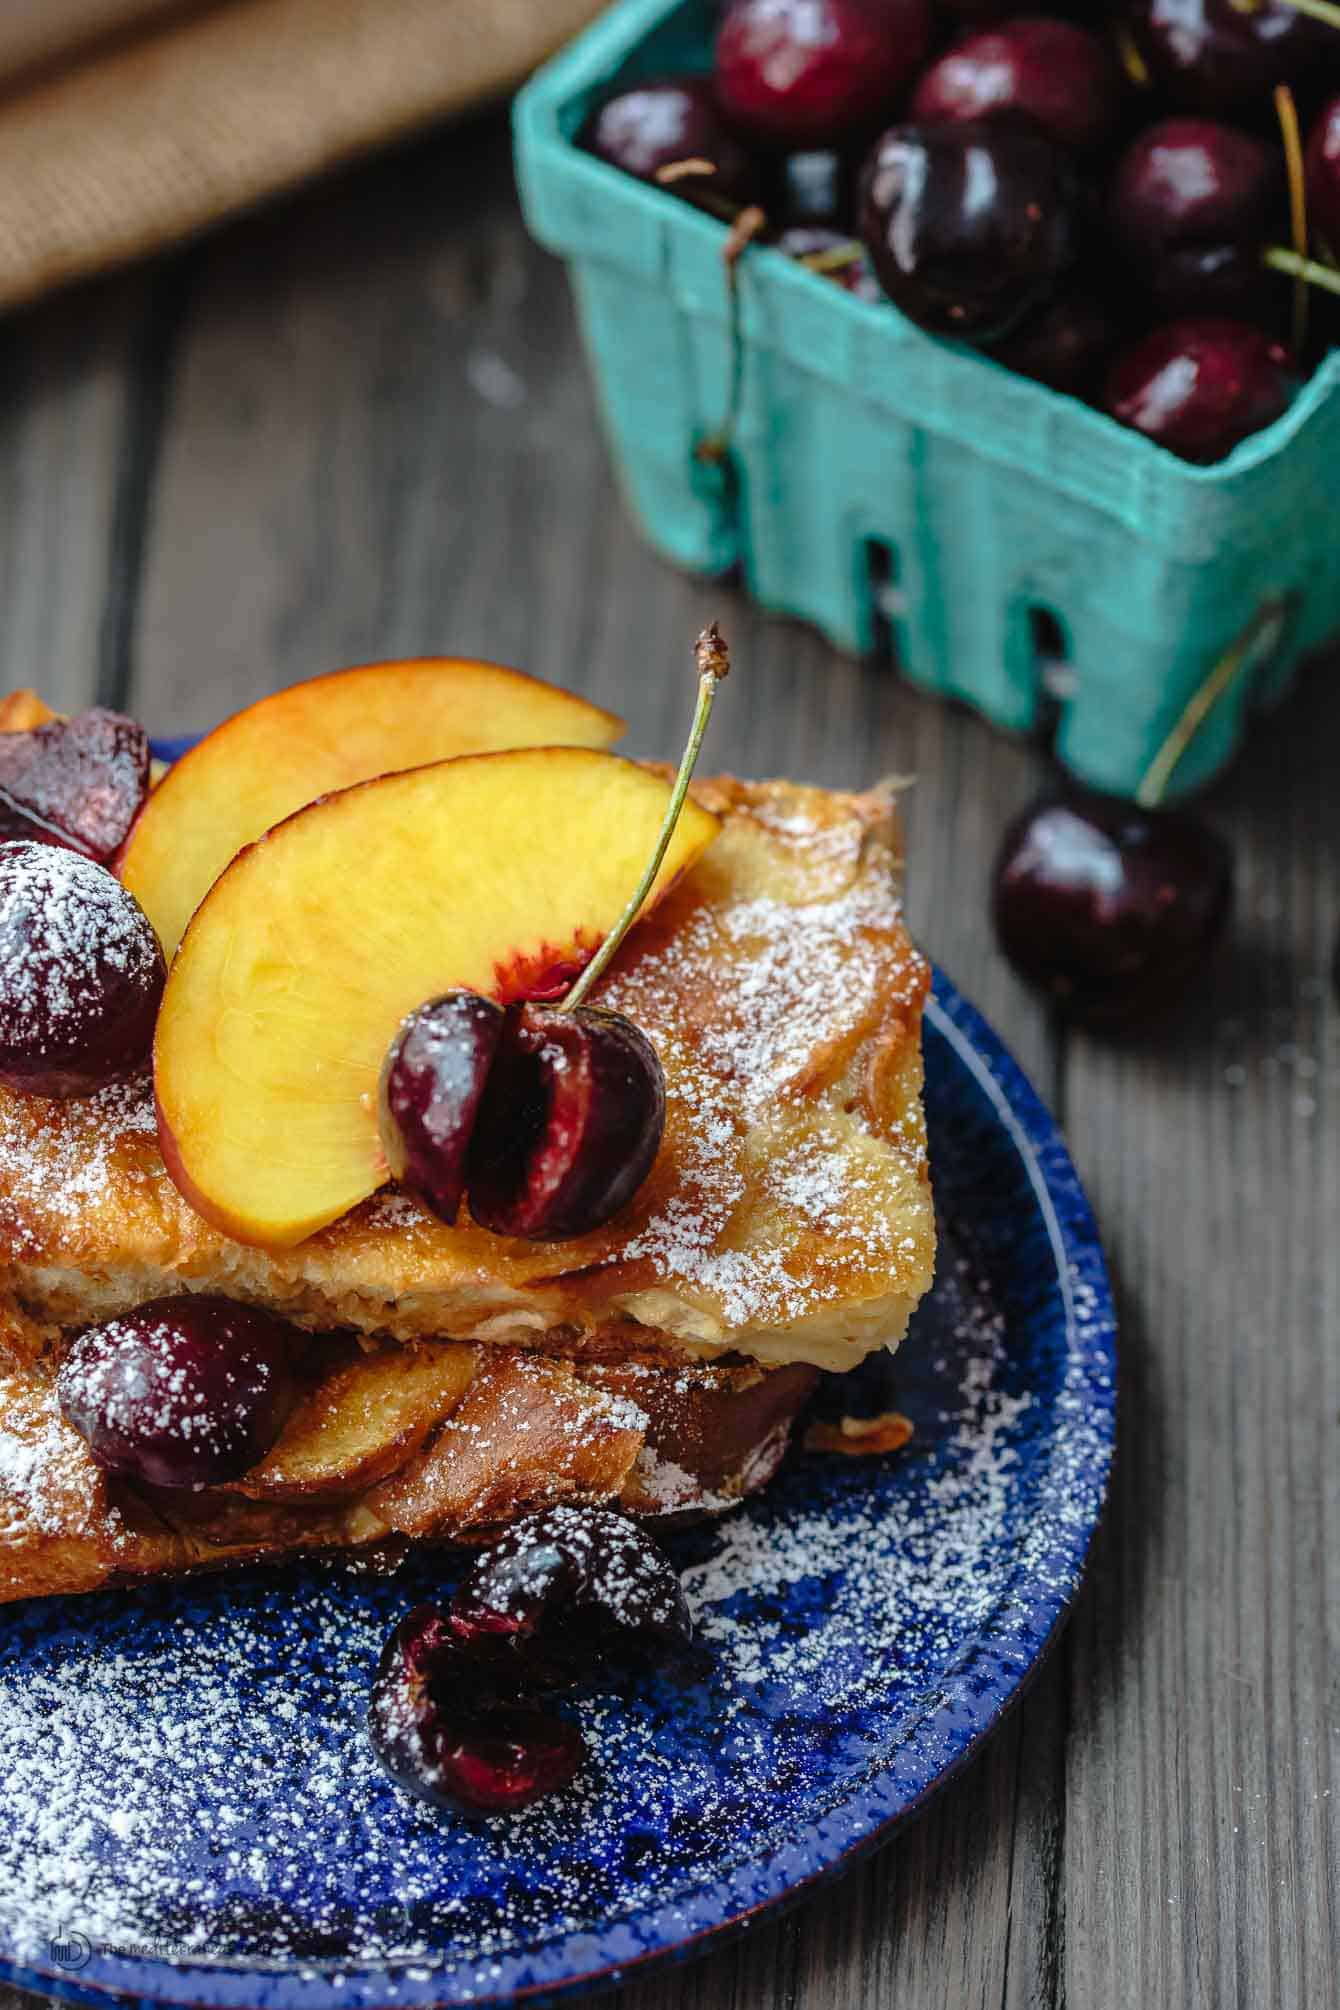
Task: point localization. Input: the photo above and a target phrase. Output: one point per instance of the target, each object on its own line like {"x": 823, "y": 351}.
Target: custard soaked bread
{"x": 430, "y": 1380}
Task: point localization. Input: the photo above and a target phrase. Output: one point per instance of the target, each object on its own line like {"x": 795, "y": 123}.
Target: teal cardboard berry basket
{"x": 878, "y": 473}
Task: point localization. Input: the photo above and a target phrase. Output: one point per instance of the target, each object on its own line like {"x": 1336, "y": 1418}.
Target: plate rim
{"x": 552, "y": 1971}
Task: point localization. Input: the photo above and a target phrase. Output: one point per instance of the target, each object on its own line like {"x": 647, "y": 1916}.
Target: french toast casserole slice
{"x": 454, "y": 1379}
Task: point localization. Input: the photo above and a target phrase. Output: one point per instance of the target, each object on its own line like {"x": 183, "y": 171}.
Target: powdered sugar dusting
{"x": 66, "y": 928}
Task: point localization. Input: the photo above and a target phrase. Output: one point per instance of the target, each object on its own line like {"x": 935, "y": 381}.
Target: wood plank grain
{"x": 1202, "y": 1829}
{"x": 70, "y": 462}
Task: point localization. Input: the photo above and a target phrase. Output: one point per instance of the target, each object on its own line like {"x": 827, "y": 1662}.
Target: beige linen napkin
{"x": 145, "y": 140}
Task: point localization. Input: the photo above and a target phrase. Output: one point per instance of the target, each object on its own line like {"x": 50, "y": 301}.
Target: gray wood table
{"x": 359, "y": 425}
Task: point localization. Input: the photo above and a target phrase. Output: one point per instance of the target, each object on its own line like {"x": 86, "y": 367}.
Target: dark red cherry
{"x": 432, "y": 1083}
{"x": 81, "y": 973}
{"x": 969, "y": 226}
{"x": 1057, "y": 74}
{"x": 855, "y": 274}
{"x": 1191, "y": 205}
{"x": 570, "y": 1593}
{"x": 1225, "y": 55}
{"x": 1065, "y": 344}
{"x": 1323, "y": 176}
{"x": 1198, "y": 387}
{"x": 185, "y": 1392}
{"x": 659, "y": 123}
{"x": 77, "y": 782}
{"x": 440, "y": 1731}
{"x": 569, "y": 1124}
{"x": 813, "y": 73}
{"x": 1110, "y": 911}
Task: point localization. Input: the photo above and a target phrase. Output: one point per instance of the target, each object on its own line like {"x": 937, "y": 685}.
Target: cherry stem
{"x": 712, "y": 660}
{"x": 1202, "y": 702}
{"x": 1280, "y": 260}
{"x": 1287, "y": 112}
{"x": 748, "y": 224}
{"x": 836, "y": 256}
{"x": 1319, "y": 10}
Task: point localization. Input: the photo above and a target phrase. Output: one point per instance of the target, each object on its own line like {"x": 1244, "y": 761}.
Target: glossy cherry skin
{"x": 657, "y": 124}
{"x": 440, "y": 1730}
{"x": 81, "y": 973}
{"x": 1323, "y": 175}
{"x": 1065, "y": 344}
{"x": 77, "y": 782}
{"x": 432, "y": 1084}
{"x": 855, "y": 274}
{"x": 1198, "y": 387}
{"x": 1192, "y": 203}
{"x": 569, "y": 1594}
{"x": 815, "y": 190}
{"x": 814, "y": 73}
{"x": 969, "y": 226}
{"x": 1110, "y": 911}
{"x": 1050, "y": 71}
{"x": 185, "y": 1392}
{"x": 569, "y": 1125}
{"x": 1219, "y": 56}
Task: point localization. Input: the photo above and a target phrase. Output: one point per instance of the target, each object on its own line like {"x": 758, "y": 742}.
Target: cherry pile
{"x": 567, "y": 1596}
{"x": 1088, "y": 193}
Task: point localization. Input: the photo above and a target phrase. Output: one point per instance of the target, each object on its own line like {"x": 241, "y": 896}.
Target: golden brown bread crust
{"x": 788, "y": 1216}
{"x": 486, "y": 1436}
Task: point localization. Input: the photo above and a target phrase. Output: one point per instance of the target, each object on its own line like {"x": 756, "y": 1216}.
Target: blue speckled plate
{"x": 190, "y": 1811}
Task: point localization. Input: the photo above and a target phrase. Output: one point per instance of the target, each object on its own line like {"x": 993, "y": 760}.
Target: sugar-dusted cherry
{"x": 185, "y": 1392}
{"x": 440, "y": 1728}
{"x": 1061, "y": 76}
{"x": 666, "y": 122}
{"x": 568, "y": 1594}
{"x": 78, "y": 782}
{"x": 1191, "y": 205}
{"x": 1198, "y": 387}
{"x": 814, "y": 73}
{"x": 1109, "y": 910}
{"x": 81, "y": 973}
{"x": 970, "y": 227}
{"x": 432, "y": 1084}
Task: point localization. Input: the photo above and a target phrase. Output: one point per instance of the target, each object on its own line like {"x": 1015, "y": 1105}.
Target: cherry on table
{"x": 440, "y": 1729}
{"x": 1221, "y": 56}
{"x": 1198, "y": 387}
{"x": 660, "y": 123}
{"x": 954, "y": 261}
{"x": 1053, "y": 72}
{"x": 1109, "y": 910}
{"x": 185, "y": 1392}
{"x": 813, "y": 73}
{"x": 1191, "y": 205}
{"x": 572, "y": 1593}
{"x": 81, "y": 973}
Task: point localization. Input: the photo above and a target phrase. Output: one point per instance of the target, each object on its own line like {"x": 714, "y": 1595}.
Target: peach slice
{"x": 278, "y": 755}
{"x": 362, "y": 1421}
{"x": 497, "y": 873}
